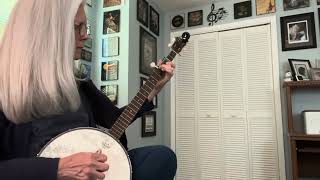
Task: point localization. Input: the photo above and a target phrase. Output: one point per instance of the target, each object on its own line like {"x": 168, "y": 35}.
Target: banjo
{"x": 87, "y": 139}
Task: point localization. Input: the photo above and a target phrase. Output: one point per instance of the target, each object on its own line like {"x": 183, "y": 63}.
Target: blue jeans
{"x": 153, "y": 163}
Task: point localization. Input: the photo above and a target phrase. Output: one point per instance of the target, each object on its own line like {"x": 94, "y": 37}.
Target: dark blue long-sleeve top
{"x": 19, "y": 143}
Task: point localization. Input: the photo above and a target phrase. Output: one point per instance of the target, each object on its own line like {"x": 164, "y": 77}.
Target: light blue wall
{"x": 129, "y": 76}
{"x": 310, "y": 54}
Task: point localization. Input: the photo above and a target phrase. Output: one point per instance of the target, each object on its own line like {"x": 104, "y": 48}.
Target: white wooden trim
{"x": 276, "y": 74}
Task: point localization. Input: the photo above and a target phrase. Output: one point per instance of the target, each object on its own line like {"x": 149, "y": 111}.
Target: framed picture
{"x": 148, "y": 124}
{"x": 155, "y": 99}
{"x": 318, "y": 2}
{"x": 86, "y": 55}
{"x": 300, "y": 69}
{"x": 142, "y": 12}
{"x": 195, "y": 18}
{"x": 154, "y": 21}
{"x": 315, "y": 74}
{"x": 84, "y": 71}
{"x": 295, "y": 4}
{"x": 265, "y": 7}
{"x": 242, "y": 9}
{"x": 111, "y": 91}
{"x": 88, "y": 43}
{"x": 111, "y": 22}
{"x": 109, "y": 70}
{"x": 110, "y": 47}
{"x": 298, "y": 32}
{"x": 110, "y": 3}
{"x": 148, "y": 51}
{"x": 177, "y": 21}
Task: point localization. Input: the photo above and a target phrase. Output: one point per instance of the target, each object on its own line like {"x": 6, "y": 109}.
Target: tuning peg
{"x": 170, "y": 45}
{"x": 153, "y": 65}
{"x": 173, "y": 40}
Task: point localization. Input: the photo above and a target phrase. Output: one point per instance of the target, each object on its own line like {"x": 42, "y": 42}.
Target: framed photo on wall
{"x": 111, "y": 22}
{"x": 195, "y": 18}
{"x": 149, "y": 124}
{"x": 265, "y": 6}
{"x": 154, "y": 21}
{"x": 242, "y": 9}
{"x": 110, "y": 71}
{"x": 110, "y": 46}
{"x": 111, "y": 91}
{"x": 88, "y": 43}
{"x": 300, "y": 69}
{"x": 110, "y": 3}
{"x": 142, "y": 12}
{"x": 148, "y": 51}
{"x": 295, "y": 4}
{"x": 86, "y": 55}
{"x": 298, "y": 32}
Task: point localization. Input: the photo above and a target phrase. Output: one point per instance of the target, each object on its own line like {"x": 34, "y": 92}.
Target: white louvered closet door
{"x": 260, "y": 104}
{"x": 225, "y": 122}
{"x": 208, "y": 113}
{"x": 234, "y": 124}
{"x": 185, "y": 114}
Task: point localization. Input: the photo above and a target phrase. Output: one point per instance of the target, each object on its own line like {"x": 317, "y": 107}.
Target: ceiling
{"x": 171, "y": 5}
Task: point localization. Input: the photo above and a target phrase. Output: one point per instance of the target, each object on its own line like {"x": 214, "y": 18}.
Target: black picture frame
{"x": 142, "y": 12}
{"x": 288, "y": 5}
{"x": 195, "y": 18}
{"x": 154, "y": 21}
{"x": 300, "y": 69}
{"x": 149, "y": 124}
{"x": 177, "y": 21}
{"x": 148, "y": 51}
{"x": 110, "y": 70}
{"x": 242, "y": 9}
{"x": 111, "y": 22}
{"x": 86, "y": 55}
{"x": 303, "y": 39}
{"x": 111, "y": 92}
{"x": 155, "y": 99}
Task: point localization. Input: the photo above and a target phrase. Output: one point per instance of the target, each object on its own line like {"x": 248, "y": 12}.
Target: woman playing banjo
{"x": 40, "y": 97}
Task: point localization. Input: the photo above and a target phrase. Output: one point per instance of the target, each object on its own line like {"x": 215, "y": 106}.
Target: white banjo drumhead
{"x": 91, "y": 140}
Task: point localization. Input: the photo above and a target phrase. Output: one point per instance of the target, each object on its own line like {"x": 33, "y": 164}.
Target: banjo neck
{"x": 136, "y": 103}
{"x": 132, "y": 109}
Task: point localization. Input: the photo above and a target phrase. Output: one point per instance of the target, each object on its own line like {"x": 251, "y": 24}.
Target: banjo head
{"x": 91, "y": 140}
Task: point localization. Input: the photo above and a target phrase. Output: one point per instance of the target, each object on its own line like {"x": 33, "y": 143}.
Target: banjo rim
{"x": 88, "y": 128}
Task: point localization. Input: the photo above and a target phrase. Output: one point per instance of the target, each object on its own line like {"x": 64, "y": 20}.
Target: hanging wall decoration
{"x": 216, "y": 15}
{"x": 177, "y": 21}
{"x": 109, "y": 70}
{"x": 265, "y": 6}
{"x": 111, "y": 22}
{"x": 111, "y": 91}
{"x": 195, "y": 18}
{"x": 242, "y": 9}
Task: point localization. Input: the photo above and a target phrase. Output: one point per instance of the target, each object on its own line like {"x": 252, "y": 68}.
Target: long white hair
{"x": 36, "y": 60}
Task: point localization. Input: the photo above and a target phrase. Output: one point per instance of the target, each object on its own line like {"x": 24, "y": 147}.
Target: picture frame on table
{"x": 298, "y": 32}
{"x": 148, "y": 51}
{"x": 149, "y": 124}
{"x": 300, "y": 69}
{"x": 142, "y": 12}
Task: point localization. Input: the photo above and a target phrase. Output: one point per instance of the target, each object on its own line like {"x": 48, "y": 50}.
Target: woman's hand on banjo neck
{"x": 83, "y": 166}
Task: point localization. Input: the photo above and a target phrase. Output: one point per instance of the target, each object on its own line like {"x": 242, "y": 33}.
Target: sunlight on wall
{"x": 5, "y": 9}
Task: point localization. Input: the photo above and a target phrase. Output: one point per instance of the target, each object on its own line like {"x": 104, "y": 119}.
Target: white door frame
{"x": 276, "y": 80}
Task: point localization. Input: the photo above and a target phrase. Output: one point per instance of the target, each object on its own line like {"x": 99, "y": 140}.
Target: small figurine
{"x": 288, "y": 76}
